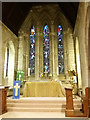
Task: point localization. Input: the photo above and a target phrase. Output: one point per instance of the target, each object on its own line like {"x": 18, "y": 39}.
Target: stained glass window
{"x": 32, "y": 50}
{"x": 7, "y": 62}
{"x": 60, "y": 50}
{"x": 46, "y": 51}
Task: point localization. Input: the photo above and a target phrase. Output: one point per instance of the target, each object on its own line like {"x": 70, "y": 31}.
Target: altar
{"x": 43, "y": 89}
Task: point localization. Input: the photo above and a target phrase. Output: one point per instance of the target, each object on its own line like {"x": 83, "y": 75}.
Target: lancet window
{"x": 60, "y": 50}
{"x": 46, "y": 50}
{"x": 32, "y": 50}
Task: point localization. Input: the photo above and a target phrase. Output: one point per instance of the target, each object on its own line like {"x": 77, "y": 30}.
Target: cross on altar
{"x": 16, "y": 89}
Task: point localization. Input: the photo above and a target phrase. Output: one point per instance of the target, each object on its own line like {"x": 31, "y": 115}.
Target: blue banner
{"x": 16, "y": 90}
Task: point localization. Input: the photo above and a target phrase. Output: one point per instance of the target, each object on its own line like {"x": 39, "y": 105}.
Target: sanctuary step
{"x": 40, "y": 104}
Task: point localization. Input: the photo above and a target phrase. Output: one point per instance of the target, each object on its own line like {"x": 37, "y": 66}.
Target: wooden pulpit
{"x": 69, "y": 103}
{"x": 3, "y": 99}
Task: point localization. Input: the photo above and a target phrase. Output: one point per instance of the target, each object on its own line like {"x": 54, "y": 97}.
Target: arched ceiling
{"x": 14, "y": 13}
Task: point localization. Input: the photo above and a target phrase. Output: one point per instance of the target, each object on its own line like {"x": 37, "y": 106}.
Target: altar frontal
{"x": 43, "y": 89}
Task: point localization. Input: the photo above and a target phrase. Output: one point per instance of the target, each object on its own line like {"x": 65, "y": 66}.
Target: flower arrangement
{"x": 72, "y": 73}
{"x": 50, "y": 75}
{"x": 41, "y": 75}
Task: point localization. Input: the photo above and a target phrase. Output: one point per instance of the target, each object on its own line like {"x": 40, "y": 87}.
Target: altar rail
{"x": 70, "y": 111}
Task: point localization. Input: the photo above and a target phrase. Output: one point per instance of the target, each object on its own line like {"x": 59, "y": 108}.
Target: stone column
{"x": 26, "y": 53}
{"x": 83, "y": 48}
{"x": 70, "y": 52}
{"x": 65, "y": 41}
{"x": 41, "y": 53}
{"x": 78, "y": 67}
{"x": 0, "y": 52}
{"x": 53, "y": 53}
{"x": 37, "y": 53}
{"x": 21, "y": 53}
{"x": 3, "y": 62}
{"x": 89, "y": 46}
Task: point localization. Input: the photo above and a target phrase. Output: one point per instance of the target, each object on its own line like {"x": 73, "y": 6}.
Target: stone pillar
{"x": 37, "y": 53}
{"x": 21, "y": 53}
{"x": 3, "y": 62}
{"x": 65, "y": 42}
{"x": 27, "y": 54}
{"x": 84, "y": 66}
{"x": 80, "y": 32}
{"x": 53, "y": 52}
{"x": 89, "y": 46}
{"x": 78, "y": 64}
{"x": 82, "y": 44}
{"x": 41, "y": 53}
{"x": 70, "y": 51}
{"x": 0, "y": 52}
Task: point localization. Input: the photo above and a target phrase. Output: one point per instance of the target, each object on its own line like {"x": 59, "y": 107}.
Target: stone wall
{"x": 81, "y": 33}
{"x": 38, "y": 16}
{"x": 0, "y": 53}
{"x": 10, "y": 40}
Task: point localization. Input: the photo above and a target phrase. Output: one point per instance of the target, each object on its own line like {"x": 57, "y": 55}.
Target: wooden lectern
{"x": 3, "y": 99}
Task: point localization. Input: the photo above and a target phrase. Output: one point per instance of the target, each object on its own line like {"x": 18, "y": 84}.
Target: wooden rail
{"x": 70, "y": 112}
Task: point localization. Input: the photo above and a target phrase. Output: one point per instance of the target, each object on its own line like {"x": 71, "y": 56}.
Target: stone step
{"x": 41, "y": 100}
{"x": 33, "y": 105}
{"x": 20, "y": 109}
{"x": 40, "y": 104}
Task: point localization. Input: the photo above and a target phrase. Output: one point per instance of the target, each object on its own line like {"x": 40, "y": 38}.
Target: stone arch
{"x": 29, "y": 21}
{"x": 44, "y": 19}
{"x": 60, "y": 19}
{"x": 39, "y": 16}
{"x": 33, "y": 22}
{"x": 11, "y": 63}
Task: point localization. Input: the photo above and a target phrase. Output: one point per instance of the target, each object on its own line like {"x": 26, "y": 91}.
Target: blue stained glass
{"x": 46, "y": 50}
{"x": 60, "y": 50}
{"x": 32, "y": 50}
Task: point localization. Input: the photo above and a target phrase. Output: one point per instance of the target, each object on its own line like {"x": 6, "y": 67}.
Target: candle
{"x": 57, "y": 71}
{"x": 28, "y": 71}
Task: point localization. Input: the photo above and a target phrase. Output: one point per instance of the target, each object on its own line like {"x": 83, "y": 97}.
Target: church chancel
{"x": 42, "y": 54}
{"x": 45, "y": 56}
{"x": 45, "y": 59}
